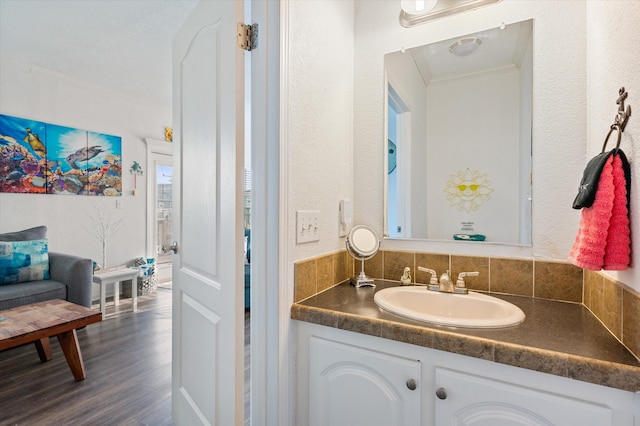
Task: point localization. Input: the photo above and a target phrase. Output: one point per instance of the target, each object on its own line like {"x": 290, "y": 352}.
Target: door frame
{"x": 154, "y": 147}
{"x": 403, "y": 161}
{"x": 271, "y": 368}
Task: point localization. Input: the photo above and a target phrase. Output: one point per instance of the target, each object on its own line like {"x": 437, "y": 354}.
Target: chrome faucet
{"x": 460, "y": 283}
{"x": 433, "y": 281}
{"x": 446, "y": 284}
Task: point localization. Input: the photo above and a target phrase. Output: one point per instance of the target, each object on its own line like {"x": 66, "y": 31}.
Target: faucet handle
{"x": 433, "y": 279}
{"x": 461, "y": 275}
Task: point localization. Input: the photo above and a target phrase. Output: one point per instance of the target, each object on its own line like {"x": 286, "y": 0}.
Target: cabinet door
{"x": 466, "y": 399}
{"x": 351, "y": 386}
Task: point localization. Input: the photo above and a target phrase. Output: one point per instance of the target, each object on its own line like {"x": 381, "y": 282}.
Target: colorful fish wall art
{"x": 42, "y": 158}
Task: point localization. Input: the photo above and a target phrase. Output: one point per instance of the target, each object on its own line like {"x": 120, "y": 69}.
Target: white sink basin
{"x": 474, "y": 310}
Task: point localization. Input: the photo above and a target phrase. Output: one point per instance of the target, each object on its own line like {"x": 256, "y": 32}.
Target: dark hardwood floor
{"x": 127, "y": 358}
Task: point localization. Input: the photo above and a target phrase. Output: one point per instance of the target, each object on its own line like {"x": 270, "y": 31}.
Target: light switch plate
{"x": 307, "y": 228}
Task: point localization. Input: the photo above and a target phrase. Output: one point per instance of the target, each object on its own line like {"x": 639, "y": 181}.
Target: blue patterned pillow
{"x": 22, "y": 261}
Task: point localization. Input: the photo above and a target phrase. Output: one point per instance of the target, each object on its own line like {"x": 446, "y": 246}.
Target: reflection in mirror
{"x": 362, "y": 243}
{"x": 458, "y": 142}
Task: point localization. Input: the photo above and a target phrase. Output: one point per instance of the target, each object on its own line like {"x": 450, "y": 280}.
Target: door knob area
{"x": 441, "y": 393}
{"x": 411, "y": 384}
{"x": 173, "y": 247}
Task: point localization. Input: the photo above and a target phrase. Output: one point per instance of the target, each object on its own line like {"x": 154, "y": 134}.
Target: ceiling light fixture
{"x": 416, "y": 12}
{"x": 416, "y": 7}
{"x": 465, "y": 46}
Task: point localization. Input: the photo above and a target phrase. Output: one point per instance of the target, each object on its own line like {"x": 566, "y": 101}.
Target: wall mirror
{"x": 458, "y": 138}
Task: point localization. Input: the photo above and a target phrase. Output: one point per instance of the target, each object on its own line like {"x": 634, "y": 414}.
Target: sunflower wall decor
{"x": 468, "y": 189}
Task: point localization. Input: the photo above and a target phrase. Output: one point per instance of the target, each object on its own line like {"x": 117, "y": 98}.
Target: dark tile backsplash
{"x": 511, "y": 276}
{"x": 614, "y": 304}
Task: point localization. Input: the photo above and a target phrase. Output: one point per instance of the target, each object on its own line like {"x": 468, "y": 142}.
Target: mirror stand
{"x": 362, "y": 243}
{"x": 363, "y": 279}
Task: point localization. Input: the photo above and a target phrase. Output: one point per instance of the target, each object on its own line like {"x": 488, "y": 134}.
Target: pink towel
{"x": 604, "y": 235}
{"x": 617, "y": 253}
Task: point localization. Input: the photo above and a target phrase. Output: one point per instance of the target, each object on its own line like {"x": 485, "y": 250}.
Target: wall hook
{"x": 623, "y": 115}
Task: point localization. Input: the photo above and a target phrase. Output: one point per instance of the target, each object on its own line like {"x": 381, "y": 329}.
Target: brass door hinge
{"x": 247, "y": 36}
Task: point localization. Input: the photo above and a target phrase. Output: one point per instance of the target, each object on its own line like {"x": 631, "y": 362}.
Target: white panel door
{"x": 207, "y": 382}
{"x": 351, "y": 386}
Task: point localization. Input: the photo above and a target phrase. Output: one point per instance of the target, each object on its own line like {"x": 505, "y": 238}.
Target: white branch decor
{"x": 103, "y": 226}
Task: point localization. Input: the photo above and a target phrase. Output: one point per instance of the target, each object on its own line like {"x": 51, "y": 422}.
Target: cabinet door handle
{"x": 441, "y": 393}
{"x": 411, "y": 384}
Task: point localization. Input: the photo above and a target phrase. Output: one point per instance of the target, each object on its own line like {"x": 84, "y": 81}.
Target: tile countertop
{"x": 558, "y": 338}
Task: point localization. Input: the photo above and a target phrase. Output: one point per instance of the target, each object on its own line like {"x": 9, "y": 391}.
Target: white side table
{"x": 115, "y": 276}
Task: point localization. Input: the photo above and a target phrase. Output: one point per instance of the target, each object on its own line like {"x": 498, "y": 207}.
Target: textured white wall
{"x": 559, "y": 113}
{"x": 457, "y": 109}
{"x": 613, "y": 62}
{"x": 30, "y": 92}
{"x": 319, "y": 124}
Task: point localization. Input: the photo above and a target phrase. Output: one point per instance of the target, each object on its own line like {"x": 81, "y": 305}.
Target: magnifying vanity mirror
{"x": 458, "y": 138}
{"x": 362, "y": 243}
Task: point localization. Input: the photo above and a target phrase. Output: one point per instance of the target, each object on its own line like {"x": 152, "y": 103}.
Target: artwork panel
{"x": 37, "y": 157}
{"x": 22, "y": 155}
{"x": 66, "y": 163}
{"x": 87, "y": 163}
{"x": 104, "y": 169}
{"x": 64, "y": 142}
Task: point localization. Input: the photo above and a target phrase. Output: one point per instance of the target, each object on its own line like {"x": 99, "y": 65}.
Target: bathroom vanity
{"x": 358, "y": 364}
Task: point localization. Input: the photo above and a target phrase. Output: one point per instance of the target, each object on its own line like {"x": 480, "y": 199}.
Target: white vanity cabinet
{"x": 467, "y": 399}
{"x": 346, "y": 378}
{"x": 351, "y": 386}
